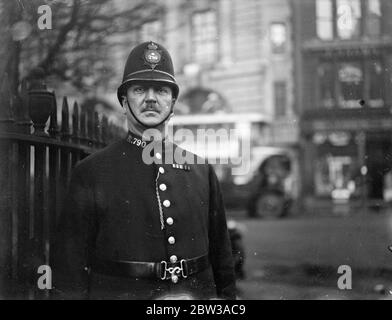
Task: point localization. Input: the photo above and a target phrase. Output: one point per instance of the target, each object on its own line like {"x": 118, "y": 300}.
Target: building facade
{"x": 343, "y": 65}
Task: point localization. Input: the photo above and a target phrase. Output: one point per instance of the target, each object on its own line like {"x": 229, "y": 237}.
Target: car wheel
{"x": 270, "y": 205}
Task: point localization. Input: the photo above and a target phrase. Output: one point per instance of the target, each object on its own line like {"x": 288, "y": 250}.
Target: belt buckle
{"x": 164, "y": 269}
{"x": 174, "y": 272}
{"x": 184, "y": 268}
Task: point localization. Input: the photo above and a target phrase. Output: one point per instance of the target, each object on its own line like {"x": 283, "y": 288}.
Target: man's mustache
{"x": 150, "y": 107}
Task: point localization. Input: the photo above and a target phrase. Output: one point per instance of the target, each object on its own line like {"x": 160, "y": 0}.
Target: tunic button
{"x": 169, "y": 221}
{"x": 173, "y": 259}
{"x": 162, "y": 187}
{"x": 174, "y": 278}
{"x": 158, "y": 156}
{"x": 171, "y": 240}
{"x": 166, "y": 203}
{"x": 161, "y": 170}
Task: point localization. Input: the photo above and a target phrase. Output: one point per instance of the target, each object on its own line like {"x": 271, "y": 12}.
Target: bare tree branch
{"x": 53, "y": 51}
{"x": 78, "y": 49}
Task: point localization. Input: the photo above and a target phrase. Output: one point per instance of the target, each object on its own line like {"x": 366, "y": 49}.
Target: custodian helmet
{"x": 148, "y": 61}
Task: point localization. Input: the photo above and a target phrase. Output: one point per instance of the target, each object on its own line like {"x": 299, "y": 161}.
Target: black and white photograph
{"x": 219, "y": 151}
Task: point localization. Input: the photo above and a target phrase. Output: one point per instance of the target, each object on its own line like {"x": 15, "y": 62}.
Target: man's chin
{"x": 150, "y": 121}
{"x": 151, "y": 118}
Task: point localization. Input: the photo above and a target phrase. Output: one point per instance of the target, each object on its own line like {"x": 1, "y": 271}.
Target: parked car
{"x": 266, "y": 190}
{"x": 270, "y": 194}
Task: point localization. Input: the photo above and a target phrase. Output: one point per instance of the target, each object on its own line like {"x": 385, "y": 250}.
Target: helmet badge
{"x": 152, "y": 55}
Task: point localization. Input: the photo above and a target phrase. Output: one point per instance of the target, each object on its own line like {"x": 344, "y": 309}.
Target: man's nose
{"x": 150, "y": 96}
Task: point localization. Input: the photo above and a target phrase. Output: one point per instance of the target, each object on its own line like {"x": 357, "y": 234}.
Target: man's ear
{"x": 124, "y": 101}
{"x": 123, "y": 104}
{"x": 172, "y": 107}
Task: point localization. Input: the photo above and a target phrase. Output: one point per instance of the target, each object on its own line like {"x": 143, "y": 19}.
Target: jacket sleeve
{"x": 74, "y": 241}
{"x": 220, "y": 251}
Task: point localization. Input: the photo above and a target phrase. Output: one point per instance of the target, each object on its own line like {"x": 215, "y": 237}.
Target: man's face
{"x": 150, "y": 102}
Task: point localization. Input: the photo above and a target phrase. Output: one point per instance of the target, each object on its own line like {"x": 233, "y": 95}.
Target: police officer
{"x": 135, "y": 225}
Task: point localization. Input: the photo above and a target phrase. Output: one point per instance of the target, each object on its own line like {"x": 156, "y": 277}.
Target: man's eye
{"x": 163, "y": 90}
{"x": 139, "y": 90}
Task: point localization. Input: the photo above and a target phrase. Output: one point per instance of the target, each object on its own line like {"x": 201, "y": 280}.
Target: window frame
{"x": 365, "y": 63}
{"x": 367, "y": 20}
{"x": 363, "y": 22}
{"x": 318, "y": 84}
{"x": 330, "y": 21}
{"x": 212, "y": 41}
{"x": 361, "y": 62}
{"x": 284, "y": 48}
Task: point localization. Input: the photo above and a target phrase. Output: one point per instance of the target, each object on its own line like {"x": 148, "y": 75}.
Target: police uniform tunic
{"x": 121, "y": 209}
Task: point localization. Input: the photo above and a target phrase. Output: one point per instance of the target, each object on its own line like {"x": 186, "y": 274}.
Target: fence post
{"x": 53, "y": 125}
{"x": 75, "y": 123}
{"x": 90, "y": 127}
{"x": 65, "y": 133}
{"x": 6, "y": 125}
{"x": 83, "y": 126}
{"x": 105, "y": 129}
{"x": 97, "y": 130}
{"x": 6, "y": 116}
{"x": 22, "y": 116}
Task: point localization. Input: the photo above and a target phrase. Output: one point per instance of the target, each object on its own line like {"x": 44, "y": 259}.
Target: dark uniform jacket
{"x": 119, "y": 208}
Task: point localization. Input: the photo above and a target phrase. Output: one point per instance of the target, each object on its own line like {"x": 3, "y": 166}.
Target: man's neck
{"x": 156, "y": 133}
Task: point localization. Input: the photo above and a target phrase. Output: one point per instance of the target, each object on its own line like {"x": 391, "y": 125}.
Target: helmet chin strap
{"x": 147, "y": 125}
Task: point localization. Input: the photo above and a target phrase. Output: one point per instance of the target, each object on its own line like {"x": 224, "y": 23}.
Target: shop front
{"x": 348, "y": 160}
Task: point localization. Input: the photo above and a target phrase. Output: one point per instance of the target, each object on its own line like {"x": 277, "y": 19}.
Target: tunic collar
{"x": 142, "y": 142}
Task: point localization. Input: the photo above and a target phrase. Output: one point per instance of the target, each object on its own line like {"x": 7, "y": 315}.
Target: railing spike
{"x": 90, "y": 127}
{"x": 83, "y": 128}
{"x": 75, "y": 123}
{"x": 97, "y": 129}
{"x": 65, "y": 134}
{"x": 104, "y": 131}
{"x": 53, "y": 125}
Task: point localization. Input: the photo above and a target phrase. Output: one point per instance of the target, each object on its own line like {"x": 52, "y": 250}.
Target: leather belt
{"x": 159, "y": 270}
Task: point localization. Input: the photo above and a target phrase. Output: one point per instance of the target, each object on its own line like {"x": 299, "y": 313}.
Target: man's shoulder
{"x": 108, "y": 153}
{"x": 182, "y": 155}
{"x": 197, "y": 164}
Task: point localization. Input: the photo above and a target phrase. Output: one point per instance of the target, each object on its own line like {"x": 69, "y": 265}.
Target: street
{"x": 299, "y": 257}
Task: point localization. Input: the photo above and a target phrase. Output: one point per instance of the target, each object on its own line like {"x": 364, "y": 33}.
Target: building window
{"x": 326, "y": 76}
{"x": 344, "y": 83}
{"x": 347, "y": 19}
{"x": 280, "y": 97}
{"x": 350, "y": 83}
{"x": 204, "y": 36}
{"x": 324, "y": 19}
{"x": 373, "y": 18}
{"x": 151, "y": 31}
{"x": 376, "y": 83}
{"x": 278, "y": 36}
